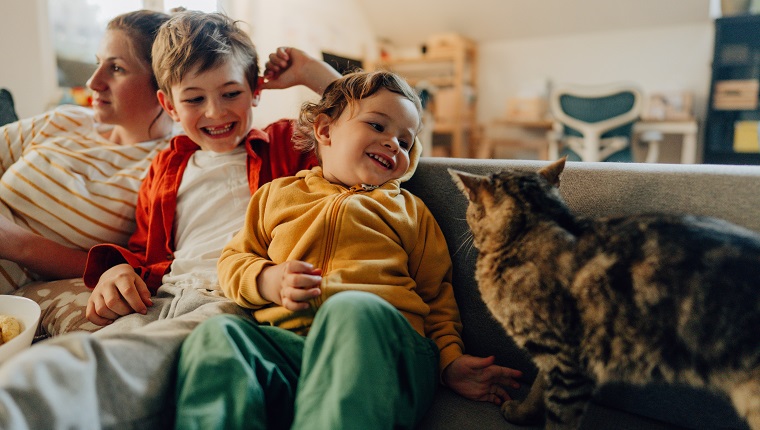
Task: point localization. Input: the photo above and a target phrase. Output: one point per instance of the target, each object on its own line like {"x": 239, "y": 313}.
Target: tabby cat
{"x": 636, "y": 299}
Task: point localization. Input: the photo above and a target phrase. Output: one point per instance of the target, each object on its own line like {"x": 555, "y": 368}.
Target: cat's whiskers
{"x": 466, "y": 239}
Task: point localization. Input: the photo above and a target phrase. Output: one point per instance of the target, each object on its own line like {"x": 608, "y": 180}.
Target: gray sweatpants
{"x": 120, "y": 377}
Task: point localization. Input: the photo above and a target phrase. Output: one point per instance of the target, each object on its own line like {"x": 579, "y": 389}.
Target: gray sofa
{"x": 594, "y": 189}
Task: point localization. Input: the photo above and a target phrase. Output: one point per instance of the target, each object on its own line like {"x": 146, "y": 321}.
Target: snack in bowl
{"x": 26, "y": 314}
{"x": 9, "y": 328}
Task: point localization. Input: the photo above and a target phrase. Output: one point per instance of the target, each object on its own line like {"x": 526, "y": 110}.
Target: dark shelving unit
{"x": 736, "y": 58}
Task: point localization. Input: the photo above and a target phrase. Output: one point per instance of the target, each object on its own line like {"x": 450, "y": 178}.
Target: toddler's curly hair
{"x": 343, "y": 93}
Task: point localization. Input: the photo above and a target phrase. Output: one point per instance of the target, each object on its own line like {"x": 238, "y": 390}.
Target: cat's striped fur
{"x": 637, "y": 299}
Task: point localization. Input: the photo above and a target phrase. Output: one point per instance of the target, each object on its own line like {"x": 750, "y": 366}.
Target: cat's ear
{"x": 468, "y": 183}
{"x": 553, "y": 170}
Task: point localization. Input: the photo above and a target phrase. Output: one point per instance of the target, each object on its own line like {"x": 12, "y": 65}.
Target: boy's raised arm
{"x": 288, "y": 67}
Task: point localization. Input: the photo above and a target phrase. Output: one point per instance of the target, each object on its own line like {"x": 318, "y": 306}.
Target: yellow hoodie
{"x": 382, "y": 240}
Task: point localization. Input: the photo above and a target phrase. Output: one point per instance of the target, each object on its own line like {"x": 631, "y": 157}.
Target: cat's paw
{"x": 521, "y": 413}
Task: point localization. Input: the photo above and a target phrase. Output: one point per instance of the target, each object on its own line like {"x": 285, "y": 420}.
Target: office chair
{"x": 594, "y": 123}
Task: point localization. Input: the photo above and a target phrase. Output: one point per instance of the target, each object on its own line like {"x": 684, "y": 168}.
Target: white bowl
{"x": 27, "y": 312}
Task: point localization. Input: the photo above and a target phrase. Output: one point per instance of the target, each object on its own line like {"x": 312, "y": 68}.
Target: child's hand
{"x": 274, "y": 70}
{"x": 288, "y": 67}
{"x": 290, "y": 284}
{"x": 478, "y": 378}
{"x": 119, "y": 292}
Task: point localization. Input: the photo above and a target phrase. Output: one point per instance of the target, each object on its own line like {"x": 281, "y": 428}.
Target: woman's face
{"x": 123, "y": 92}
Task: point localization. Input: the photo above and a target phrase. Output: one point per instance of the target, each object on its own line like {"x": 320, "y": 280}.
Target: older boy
{"x": 154, "y": 292}
{"x": 208, "y": 84}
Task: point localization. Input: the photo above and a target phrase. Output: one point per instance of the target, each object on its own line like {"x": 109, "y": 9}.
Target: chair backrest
{"x": 7, "y": 109}
{"x": 596, "y": 112}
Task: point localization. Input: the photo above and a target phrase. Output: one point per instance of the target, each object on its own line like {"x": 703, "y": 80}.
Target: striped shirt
{"x": 63, "y": 180}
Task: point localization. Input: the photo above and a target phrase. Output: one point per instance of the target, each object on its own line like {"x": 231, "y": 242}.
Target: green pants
{"x": 361, "y": 366}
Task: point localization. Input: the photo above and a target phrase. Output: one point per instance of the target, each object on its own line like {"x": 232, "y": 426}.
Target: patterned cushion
{"x": 63, "y": 305}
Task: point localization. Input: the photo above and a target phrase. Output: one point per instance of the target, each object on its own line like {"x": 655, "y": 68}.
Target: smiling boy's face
{"x": 213, "y": 107}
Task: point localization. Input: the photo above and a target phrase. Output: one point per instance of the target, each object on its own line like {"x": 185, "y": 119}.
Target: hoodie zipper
{"x": 331, "y": 227}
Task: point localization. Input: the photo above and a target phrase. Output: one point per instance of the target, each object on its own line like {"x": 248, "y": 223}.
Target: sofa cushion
{"x": 451, "y": 411}
{"x": 63, "y": 304}
{"x": 7, "y": 108}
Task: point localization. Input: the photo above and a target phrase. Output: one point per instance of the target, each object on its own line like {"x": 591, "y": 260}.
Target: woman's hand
{"x": 120, "y": 291}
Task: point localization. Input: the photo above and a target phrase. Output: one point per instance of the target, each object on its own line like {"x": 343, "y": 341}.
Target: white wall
{"x": 670, "y": 58}
{"x": 659, "y": 59}
{"x": 28, "y": 62}
{"x": 338, "y": 26}
{"x": 335, "y": 26}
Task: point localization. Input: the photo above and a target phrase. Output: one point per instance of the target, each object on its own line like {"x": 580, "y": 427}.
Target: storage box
{"x": 526, "y": 109}
{"x": 746, "y": 137}
{"x": 738, "y": 94}
{"x": 669, "y": 106}
{"x": 445, "y": 42}
{"x": 446, "y": 105}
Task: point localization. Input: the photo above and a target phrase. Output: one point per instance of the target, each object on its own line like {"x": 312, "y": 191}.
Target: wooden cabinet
{"x": 448, "y": 70}
{"x": 733, "y": 114}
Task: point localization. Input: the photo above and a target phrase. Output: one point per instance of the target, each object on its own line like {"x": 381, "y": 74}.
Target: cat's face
{"x": 504, "y": 203}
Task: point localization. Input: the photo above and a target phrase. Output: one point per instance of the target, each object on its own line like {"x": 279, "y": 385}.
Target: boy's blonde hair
{"x": 191, "y": 39}
{"x": 343, "y": 93}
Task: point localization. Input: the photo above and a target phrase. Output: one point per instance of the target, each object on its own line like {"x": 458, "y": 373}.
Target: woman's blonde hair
{"x": 343, "y": 93}
{"x": 141, "y": 27}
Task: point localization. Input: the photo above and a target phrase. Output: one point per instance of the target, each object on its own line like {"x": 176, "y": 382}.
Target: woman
{"x": 70, "y": 176}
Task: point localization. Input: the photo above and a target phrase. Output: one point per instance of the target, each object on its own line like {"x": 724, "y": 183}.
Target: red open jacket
{"x": 150, "y": 250}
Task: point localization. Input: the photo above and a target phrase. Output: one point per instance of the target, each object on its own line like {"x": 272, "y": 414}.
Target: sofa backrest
{"x": 592, "y": 189}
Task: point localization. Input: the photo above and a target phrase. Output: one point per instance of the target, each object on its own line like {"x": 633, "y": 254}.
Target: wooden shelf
{"x": 452, "y": 71}
{"x": 733, "y": 99}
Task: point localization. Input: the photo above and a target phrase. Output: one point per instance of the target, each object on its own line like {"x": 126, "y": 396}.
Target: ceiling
{"x": 405, "y": 23}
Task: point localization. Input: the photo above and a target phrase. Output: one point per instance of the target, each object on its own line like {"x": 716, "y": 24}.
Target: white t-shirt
{"x": 211, "y": 203}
